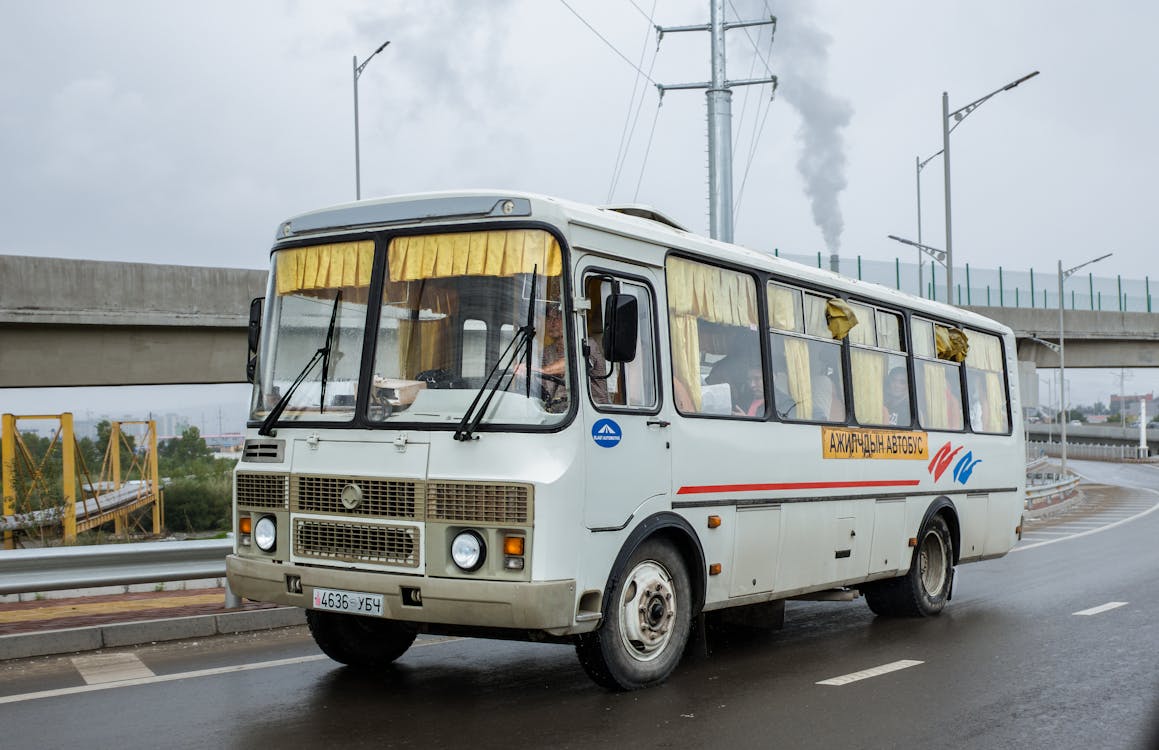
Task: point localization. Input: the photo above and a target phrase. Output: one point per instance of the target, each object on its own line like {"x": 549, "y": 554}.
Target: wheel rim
{"x": 647, "y": 611}
{"x": 933, "y": 563}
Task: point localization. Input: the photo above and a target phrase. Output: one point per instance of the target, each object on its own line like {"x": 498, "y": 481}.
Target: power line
{"x": 648, "y": 148}
{"x": 605, "y": 41}
{"x": 626, "y": 134}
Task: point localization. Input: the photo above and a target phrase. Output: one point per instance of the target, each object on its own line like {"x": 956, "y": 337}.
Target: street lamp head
{"x": 1020, "y": 80}
{"x": 933, "y": 252}
{"x": 380, "y": 49}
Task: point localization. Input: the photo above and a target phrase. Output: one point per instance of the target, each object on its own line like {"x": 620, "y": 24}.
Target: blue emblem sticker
{"x": 607, "y": 433}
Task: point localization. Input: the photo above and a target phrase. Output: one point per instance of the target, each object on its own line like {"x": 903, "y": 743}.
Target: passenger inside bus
{"x": 755, "y": 395}
{"x": 742, "y": 373}
{"x": 897, "y": 397}
{"x": 828, "y": 396}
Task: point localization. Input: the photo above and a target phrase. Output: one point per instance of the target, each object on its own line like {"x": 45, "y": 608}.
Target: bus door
{"x": 625, "y": 440}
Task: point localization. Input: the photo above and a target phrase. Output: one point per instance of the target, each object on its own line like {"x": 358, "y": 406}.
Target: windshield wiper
{"x": 323, "y": 355}
{"x": 325, "y": 351}
{"x": 520, "y": 341}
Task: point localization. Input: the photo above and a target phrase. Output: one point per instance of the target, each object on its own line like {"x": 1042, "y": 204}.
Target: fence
{"x": 995, "y": 287}
{"x": 1092, "y": 452}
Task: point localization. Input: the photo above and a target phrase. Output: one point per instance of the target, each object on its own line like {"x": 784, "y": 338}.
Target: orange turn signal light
{"x": 913, "y": 541}
{"x": 245, "y": 524}
{"x": 513, "y": 545}
{"x": 713, "y": 522}
{"x": 714, "y": 569}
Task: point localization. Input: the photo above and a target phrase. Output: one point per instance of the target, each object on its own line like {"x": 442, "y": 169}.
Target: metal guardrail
{"x": 57, "y": 568}
{"x": 1043, "y": 495}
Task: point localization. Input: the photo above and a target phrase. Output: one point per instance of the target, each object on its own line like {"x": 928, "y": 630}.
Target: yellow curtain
{"x": 496, "y": 253}
{"x": 951, "y": 343}
{"x": 840, "y": 318}
{"x": 783, "y": 308}
{"x": 343, "y": 265}
{"x": 868, "y": 372}
{"x": 424, "y": 351}
{"x": 985, "y": 352}
{"x": 994, "y": 406}
{"x": 935, "y": 396}
{"x": 709, "y": 293}
{"x": 686, "y": 355}
{"x": 800, "y": 382}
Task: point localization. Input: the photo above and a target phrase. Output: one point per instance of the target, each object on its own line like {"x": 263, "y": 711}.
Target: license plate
{"x": 353, "y": 602}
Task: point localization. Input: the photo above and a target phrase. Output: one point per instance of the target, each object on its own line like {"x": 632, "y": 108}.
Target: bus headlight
{"x": 468, "y": 551}
{"x": 265, "y": 533}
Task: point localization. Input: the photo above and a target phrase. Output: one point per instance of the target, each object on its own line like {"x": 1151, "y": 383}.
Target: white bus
{"x": 508, "y": 415}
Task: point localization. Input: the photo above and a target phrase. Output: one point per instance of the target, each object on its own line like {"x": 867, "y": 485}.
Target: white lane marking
{"x": 158, "y": 678}
{"x": 1101, "y": 608}
{"x": 1128, "y": 519}
{"x": 874, "y": 672}
{"x": 98, "y": 669}
{"x": 184, "y": 675}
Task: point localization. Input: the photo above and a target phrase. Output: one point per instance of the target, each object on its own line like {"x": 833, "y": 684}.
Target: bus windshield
{"x": 445, "y": 328}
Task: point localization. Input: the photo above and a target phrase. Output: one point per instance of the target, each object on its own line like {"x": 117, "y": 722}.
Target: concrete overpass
{"x": 1093, "y": 338}
{"x": 96, "y": 323}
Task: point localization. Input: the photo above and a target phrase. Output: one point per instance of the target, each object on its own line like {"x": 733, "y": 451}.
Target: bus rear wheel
{"x": 364, "y": 643}
{"x": 924, "y": 590}
{"x": 647, "y": 621}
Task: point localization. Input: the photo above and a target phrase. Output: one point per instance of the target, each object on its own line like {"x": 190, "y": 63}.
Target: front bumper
{"x": 548, "y": 606}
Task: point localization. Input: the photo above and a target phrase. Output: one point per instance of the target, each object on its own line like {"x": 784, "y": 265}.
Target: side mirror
{"x": 621, "y": 318}
{"x": 255, "y": 334}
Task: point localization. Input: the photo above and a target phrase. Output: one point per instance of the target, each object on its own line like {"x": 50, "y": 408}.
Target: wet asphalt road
{"x": 1008, "y": 664}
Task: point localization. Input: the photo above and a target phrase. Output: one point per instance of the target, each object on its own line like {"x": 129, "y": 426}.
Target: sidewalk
{"x": 85, "y": 623}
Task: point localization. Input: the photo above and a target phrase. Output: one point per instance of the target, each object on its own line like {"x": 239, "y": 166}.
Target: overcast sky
{"x": 184, "y": 132}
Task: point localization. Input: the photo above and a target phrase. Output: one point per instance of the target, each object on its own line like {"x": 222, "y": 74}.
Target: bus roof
{"x": 635, "y": 221}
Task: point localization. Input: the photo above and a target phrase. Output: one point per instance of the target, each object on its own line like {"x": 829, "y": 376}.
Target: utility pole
{"x": 719, "y": 92}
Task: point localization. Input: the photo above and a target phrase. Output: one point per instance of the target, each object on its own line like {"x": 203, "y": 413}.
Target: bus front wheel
{"x": 365, "y": 643}
{"x": 647, "y": 621}
{"x": 924, "y": 590}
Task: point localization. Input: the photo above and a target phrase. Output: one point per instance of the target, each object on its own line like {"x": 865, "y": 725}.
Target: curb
{"x": 70, "y": 640}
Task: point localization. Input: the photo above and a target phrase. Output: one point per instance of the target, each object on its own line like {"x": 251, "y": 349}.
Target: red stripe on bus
{"x": 796, "y": 486}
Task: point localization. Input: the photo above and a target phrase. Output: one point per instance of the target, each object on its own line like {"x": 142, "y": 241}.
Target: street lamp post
{"x": 959, "y": 115}
{"x": 920, "y": 166}
{"x": 1062, "y": 277}
{"x": 357, "y": 160}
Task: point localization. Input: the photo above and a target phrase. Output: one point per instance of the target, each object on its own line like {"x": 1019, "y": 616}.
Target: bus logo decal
{"x": 962, "y": 469}
{"x": 607, "y": 433}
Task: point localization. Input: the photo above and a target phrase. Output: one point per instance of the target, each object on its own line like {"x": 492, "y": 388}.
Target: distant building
{"x": 1130, "y": 404}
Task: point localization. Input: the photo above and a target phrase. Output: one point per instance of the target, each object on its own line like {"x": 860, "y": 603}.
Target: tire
{"x": 646, "y": 624}
{"x": 924, "y": 590}
{"x": 364, "y": 643}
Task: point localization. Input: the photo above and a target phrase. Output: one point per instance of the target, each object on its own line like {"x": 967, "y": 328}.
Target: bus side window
{"x": 938, "y": 375}
{"x": 985, "y": 369}
{"x": 808, "y": 378}
{"x": 716, "y": 345}
{"x": 879, "y": 368}
{"x": 631, "y": 384}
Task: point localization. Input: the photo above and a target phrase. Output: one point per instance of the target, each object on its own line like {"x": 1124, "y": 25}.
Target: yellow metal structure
{"x": 33, "y": 500}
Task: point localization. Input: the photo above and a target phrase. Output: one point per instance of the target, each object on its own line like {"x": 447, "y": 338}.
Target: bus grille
{"x": 379, "y": 497}
{"x": 262, "y": 491}
{"x": 336, "y": 541}
{"x": 411, "y": 500}
{"x": 467, "y": 501}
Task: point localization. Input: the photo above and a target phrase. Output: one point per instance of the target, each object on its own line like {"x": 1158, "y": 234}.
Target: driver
{"x": 553, "y": 365}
